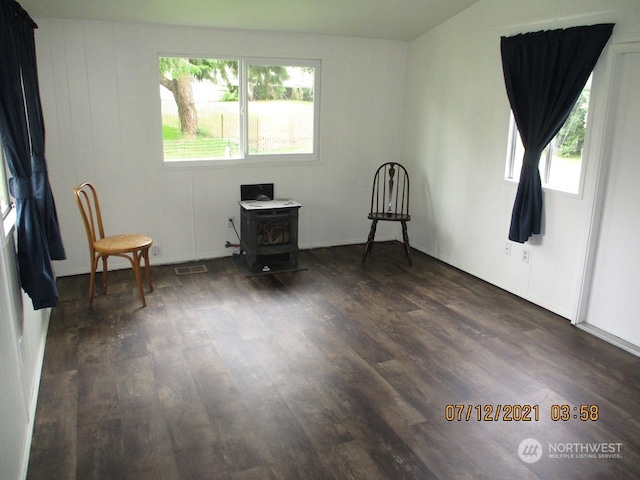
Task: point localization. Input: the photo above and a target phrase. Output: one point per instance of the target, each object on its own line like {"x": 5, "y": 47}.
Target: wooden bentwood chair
{"x": 389, "y": 203}
{"x": 133, "y": 247}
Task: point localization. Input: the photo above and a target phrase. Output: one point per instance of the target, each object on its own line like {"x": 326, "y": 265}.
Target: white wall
{"x": 455, "y": 141}
{"x": 100, "y": 94}
{"x": 22, "y": 338}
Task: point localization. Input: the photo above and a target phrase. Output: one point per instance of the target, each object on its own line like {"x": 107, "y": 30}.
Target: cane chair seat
{"x": 122, "y": 243}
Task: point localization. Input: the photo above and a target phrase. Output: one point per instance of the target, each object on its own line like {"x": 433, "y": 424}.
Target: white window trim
{"x": 9, "y": 222}
{"x": 248, "y": 160}
{"x": 9, "y": 214}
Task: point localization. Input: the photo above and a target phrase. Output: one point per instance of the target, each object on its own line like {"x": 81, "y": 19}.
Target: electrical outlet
{"x": 507, "y": 248}
{"x": 155, "y": 250}
{"x": 231, "y": 222}
{"x": 526, "y": 255}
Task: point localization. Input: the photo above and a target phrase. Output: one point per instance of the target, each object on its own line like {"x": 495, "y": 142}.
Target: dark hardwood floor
{"x": 338, "y": 372}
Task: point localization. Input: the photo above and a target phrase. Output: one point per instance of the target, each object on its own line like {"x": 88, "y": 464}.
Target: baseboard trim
{"x": 608, "y": 337}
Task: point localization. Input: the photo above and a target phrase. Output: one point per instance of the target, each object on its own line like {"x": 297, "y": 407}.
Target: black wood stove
{"x": 268, "y": 232}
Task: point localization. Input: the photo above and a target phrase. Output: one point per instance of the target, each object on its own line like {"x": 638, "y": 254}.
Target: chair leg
{"x": 92, "y": 279}
{"x": 105, "y": 272}
{"x": 369, "y": 245}
{"x": 138, "y": 274}
{"x": 405, "y": 237}
{"x": 147, "y": 268}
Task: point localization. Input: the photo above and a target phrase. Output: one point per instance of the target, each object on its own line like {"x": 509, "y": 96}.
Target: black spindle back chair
{"x": 389, "y": 202}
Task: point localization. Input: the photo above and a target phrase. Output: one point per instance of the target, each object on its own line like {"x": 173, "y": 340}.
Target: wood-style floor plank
{"x": 341, "y": 371}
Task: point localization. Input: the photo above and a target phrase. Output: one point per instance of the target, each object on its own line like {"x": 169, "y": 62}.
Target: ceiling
{"x": 388, "y": 19}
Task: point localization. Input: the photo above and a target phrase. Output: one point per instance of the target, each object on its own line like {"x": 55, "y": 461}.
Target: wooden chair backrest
{"x": 390, "y": 193}
{"x": 87, "y": 200}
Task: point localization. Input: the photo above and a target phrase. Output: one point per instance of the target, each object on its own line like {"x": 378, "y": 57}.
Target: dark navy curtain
{"x": 22, "y": 131}
{"x": 544, "y": 73}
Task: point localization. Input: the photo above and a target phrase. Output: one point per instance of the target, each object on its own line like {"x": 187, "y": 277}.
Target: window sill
{"x": 254, "y": 162}
{"x": 546, "y": 188}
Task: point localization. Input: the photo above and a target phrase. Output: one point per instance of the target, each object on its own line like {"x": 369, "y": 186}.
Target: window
{"x": 5, "y": 204}
{"x": 8, "y": 213}
{"x": 233, "y": 109}
{"x": 561, "y": 161}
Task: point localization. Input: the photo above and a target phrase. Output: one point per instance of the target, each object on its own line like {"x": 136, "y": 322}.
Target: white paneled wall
{"x": 22, "y": 339}
{"x": 100, "y": 95}
{"x": 15, "y": 421}
{"x": 455, "y": 138}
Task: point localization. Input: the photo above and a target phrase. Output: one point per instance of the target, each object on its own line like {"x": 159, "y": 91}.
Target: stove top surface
{"x": 269, "y": 204}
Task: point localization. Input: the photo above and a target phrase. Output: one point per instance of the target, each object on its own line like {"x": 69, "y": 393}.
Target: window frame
{"x": 512, "y": 176}
{"x": 7, "y": 213}
{"x": 245, "y": 158}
